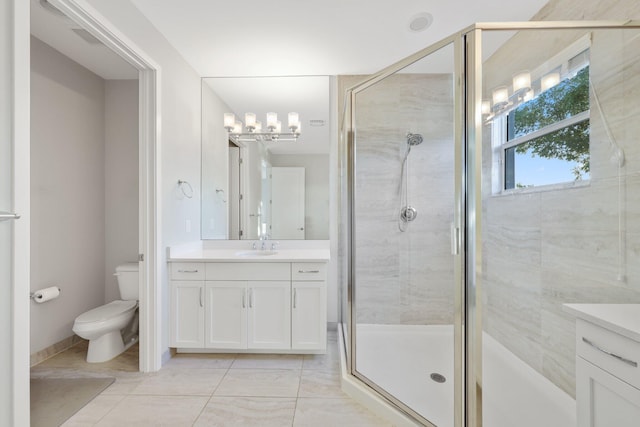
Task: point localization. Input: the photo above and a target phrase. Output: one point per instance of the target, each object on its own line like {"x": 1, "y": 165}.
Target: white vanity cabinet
{"x": 607, "y": 365}
{"x": 607, "y": 378}
{"x": 249, "y": 306}
{"x": 187, "y": 305}
{"x": 225, "y": 322}
{"x": 308, "y": 306}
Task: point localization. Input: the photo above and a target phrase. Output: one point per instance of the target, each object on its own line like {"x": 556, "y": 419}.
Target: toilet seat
{"x": 106, "y": 312}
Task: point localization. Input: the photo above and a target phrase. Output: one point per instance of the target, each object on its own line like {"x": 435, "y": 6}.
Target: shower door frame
{"x": 467, "y": 249}
{"x": 457, "y": 239}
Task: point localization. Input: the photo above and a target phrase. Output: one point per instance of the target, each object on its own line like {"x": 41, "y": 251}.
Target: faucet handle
{"x": 254, "y": 246}
{"x": 274, "y": 245}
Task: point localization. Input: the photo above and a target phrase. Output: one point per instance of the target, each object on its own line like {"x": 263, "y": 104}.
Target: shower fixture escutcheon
{"x": 408, "y": 213}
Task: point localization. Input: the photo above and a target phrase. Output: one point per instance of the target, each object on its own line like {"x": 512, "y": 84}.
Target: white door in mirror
{"x": 287, "y": 202}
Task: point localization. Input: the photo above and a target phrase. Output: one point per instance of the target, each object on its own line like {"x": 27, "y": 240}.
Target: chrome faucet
{"x": 274, "y": 246}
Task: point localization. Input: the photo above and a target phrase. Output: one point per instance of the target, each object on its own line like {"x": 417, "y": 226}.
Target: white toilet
{"x": 112, "y": 328}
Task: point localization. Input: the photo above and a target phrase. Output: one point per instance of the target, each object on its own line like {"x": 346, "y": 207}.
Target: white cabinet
{"x": 308, "y": 315}
{"x": 249, "y": 306}
{"x": 607, "y": 377}
{"x": 269, "y": 315}
{"x": 308, "y": 306}
{"x": 225, "y": 315}
{"x": 187, "y": 314}
{"x": 604, "y": 400}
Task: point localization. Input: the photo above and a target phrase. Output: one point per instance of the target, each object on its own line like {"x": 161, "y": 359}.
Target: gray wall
{"x": 84, "y": 188}
{"x": 316, "y": 169}
{"x": 121, "y": 179}
{"x": 545, "y": 248}
{"x": 404, "y": 278}
{"x": 67, "y": 191}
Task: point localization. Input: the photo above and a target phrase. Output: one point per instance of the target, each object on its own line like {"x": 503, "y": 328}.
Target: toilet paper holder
{"x": 33, "y": 295}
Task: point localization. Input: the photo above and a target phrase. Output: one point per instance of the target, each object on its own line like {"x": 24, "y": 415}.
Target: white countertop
{"x": 623, "y": 319}
{"x": 244, "y": 255}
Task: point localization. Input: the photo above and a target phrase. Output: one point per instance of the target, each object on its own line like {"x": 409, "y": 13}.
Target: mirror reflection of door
{"x": 287, "y": 202}
{"x": 234, "y": 192}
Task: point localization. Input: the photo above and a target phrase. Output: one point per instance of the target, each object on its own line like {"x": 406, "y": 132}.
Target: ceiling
{"x": 249, "y": 38}
{"x": 328, "y": 37}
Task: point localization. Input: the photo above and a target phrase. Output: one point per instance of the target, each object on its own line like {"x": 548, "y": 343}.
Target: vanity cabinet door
{"x": 226, "y": 315}
{"x": 604, "y": 400}
{"x": 187, "y": 312}
{"x": 308, "y": 316}
{"x": 269, "y": 315}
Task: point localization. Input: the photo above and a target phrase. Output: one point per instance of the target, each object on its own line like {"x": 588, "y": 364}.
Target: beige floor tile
{"x": 247, "y": 412}
{"x": 125, "y": 384}
{"x": 200, "y": 361}
{"x": 181, "y": 382}
{"x": 320, "y": 384}
{"x": 76, "y": 357}
{"x": 312, "y": 412}
{"x": 94, "y": 411}
{"x": 324, "y": 362}
{"x": 267, "y": 361}
{"x": 155, "y": 411}
{"x": 259, "y": 383}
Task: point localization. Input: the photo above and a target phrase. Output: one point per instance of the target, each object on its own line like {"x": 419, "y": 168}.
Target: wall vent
{"x": 316, "y": 122}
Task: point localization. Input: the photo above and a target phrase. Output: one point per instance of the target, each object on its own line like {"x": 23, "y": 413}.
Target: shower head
{"x": 414, "y": 139}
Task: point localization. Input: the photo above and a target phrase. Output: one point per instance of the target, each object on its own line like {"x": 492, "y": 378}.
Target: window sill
{"x": 544, "y": 188}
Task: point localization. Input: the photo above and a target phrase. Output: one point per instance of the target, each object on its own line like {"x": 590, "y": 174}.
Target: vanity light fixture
{"x": 521, "y": 84}
{"x": 500, "y": 98}
{"x": 253, "y": 128}
{"x": 549, "y": 81}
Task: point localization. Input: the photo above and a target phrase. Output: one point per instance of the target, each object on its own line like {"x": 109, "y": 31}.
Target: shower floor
{"x": 401, "y": 359}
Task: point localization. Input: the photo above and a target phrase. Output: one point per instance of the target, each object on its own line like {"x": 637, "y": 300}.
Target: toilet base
{"x": 105, "y": 348}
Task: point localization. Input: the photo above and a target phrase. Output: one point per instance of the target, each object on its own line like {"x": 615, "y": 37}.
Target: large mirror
{"x": 265, "y": 187}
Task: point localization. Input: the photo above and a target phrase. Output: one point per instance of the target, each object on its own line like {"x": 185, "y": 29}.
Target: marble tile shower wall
{"x": 404, "y": 278}
{"x": 542, "y": 249}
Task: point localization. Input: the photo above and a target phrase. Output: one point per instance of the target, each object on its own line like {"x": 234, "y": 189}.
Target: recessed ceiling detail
{"x": 420, "y": 22}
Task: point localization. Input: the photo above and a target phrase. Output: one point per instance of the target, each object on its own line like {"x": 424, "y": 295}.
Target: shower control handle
{"x": 608, "y": 353}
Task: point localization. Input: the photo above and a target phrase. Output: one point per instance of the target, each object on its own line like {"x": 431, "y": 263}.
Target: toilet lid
{"x": 106, "y": 311}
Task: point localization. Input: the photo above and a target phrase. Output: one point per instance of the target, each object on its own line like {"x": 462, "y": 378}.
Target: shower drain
{"x": 438, "y": 377}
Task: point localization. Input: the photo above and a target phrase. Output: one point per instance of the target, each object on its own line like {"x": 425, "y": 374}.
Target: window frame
{"x": 500, "y": 123}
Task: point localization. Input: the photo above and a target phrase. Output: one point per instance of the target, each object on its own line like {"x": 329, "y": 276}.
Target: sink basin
{"x": 256, "y": 253}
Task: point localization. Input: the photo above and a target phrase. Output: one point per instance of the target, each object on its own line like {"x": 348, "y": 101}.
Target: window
{"x": 545, "y": 140}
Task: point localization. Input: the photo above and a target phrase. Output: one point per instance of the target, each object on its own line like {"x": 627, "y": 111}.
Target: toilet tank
{"x": 127, "y": 275}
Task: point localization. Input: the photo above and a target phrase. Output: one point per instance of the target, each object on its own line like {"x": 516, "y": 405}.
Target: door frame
{"x": 21, "y": 249}
{"x": 149, "y": 237}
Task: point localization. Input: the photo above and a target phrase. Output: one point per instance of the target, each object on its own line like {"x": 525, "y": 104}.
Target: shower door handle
{"x": 455, "y": 240}
{"x": 5, "y": 216}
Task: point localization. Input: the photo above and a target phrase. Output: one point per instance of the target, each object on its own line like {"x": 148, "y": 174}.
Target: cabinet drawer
{"x": 187, "y": 271}
{"x": 248, "y": 271}
{"x": 308, "y": 271}
{"x": 616, "y": 354}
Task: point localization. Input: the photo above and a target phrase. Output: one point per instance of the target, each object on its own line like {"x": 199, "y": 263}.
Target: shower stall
{"x": 487, "y": 181}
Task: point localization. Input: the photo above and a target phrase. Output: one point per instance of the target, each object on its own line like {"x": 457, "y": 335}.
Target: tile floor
{"x": 216, "y": 390}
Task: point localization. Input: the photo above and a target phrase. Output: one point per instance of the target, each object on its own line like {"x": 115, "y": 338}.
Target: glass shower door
{"x": 403, "y": 269}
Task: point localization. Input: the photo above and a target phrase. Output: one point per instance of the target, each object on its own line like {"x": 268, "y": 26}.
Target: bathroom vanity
{"x": 607, "y": 364}
{"x": 230, "y": 300}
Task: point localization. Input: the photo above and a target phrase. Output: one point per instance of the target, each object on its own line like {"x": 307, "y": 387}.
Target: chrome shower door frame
{"x": 467, "y": 227}
{"x": 350, "y": 130}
